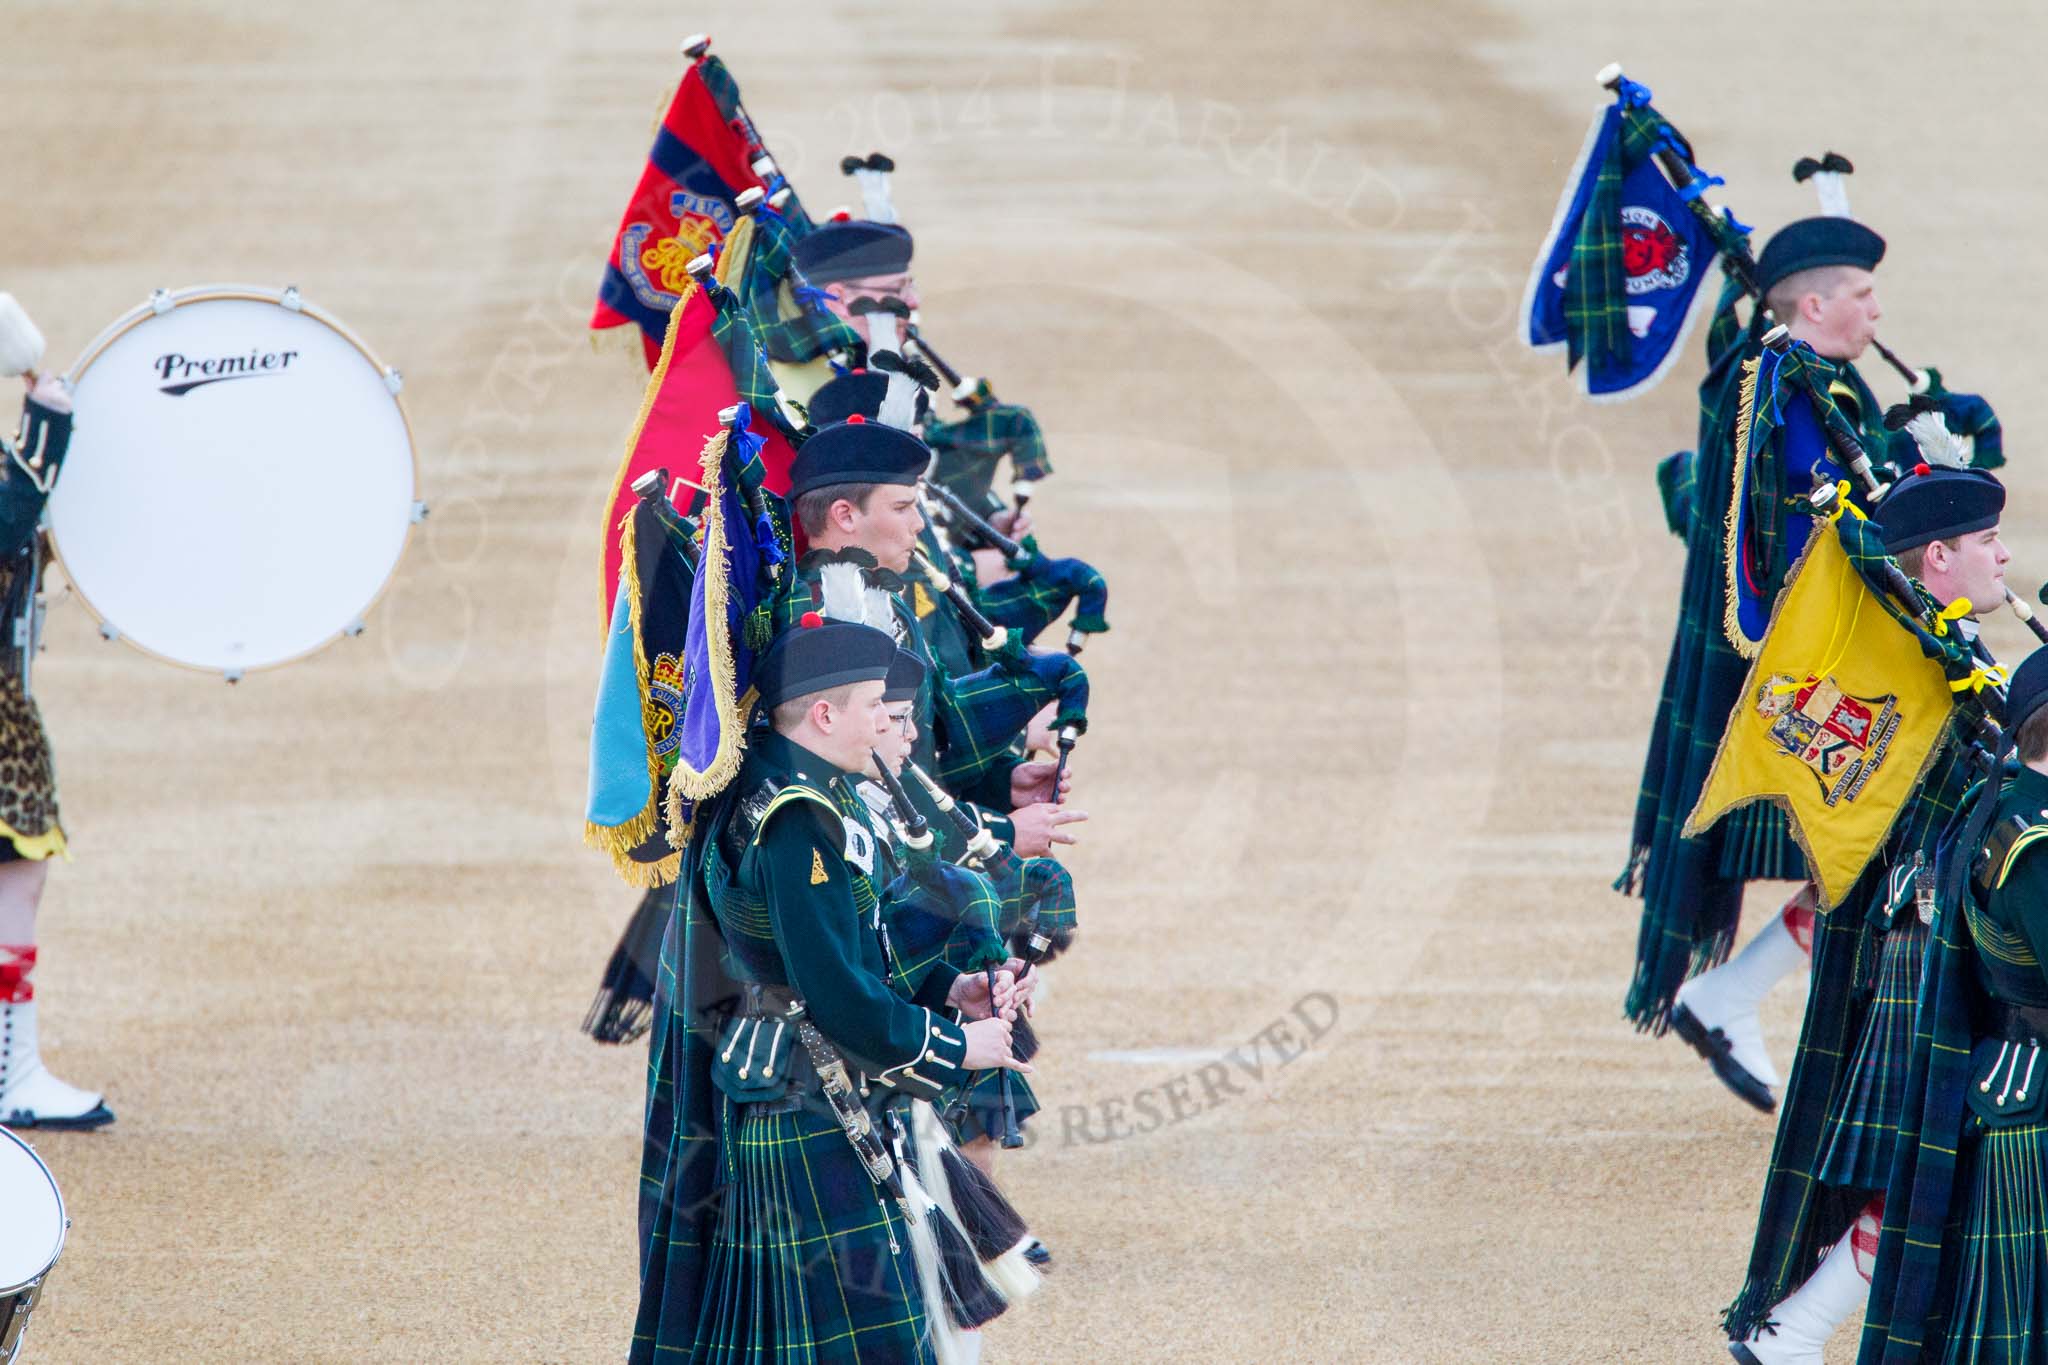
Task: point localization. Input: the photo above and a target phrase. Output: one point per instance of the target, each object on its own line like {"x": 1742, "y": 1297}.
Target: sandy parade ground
{"x": 1338, "y": 1071}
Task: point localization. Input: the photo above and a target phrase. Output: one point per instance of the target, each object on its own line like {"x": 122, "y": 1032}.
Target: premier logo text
{"x": 181, "y": 374}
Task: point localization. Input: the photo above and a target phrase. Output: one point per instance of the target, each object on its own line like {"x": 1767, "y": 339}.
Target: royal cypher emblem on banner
{"x": 663, "y": 704}
{"x": 1843, "y": 739}
{"x": 658, "y": 272}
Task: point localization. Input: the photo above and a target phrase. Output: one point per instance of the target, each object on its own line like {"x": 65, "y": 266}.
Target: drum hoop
{"x": 63, "y": 1218}
{"x": 252, "y": 293}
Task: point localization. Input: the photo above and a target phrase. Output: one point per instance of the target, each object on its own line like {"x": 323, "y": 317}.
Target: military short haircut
{"x": 2033, "y": 739}
{"x": 1915, "y": 559}
{"x": 811, "y": 507}
{"x": 786, "y": 716}
{"x": 1783, "y": 298}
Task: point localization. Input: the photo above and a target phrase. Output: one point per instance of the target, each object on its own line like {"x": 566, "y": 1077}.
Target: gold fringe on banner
{"x": 686, "y": 783}
{"x": 620, "y": 840}
{"x": 1731, "y": 615}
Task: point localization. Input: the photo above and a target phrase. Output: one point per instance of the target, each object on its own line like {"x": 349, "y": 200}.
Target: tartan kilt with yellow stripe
{"x": 762, "y": 1238}
{"x": 2000, "y": 1269}
{"x": 809, "y": 1260}
{"x": 1862, "y": 1124}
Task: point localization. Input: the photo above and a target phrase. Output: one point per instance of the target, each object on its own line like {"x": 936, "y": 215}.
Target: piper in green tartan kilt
{"x": 766, "y": 1233}
{"x": 1961, "y": 1270}
{"x": 1832, "y": 1158}
{"x": 1817, "y": 278}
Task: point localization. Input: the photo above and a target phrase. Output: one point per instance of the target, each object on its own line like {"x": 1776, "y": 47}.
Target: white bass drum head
{"x": 240, "y": 483}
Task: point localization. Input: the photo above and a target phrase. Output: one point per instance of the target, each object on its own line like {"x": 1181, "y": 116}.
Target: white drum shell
{"x": 241, "y": 479}
{"x": 32, "y": 1232}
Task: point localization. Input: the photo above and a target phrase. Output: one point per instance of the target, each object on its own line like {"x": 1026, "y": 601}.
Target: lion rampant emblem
{"x": 1653, "y": 255}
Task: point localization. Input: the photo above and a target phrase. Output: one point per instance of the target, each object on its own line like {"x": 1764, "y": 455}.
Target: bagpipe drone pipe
{"x": 979, "y": 716}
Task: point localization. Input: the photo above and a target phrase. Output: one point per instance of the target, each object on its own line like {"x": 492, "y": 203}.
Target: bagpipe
{"x": 915, "y": 833}
{"x": 1040, "y": 587}
{"x": 1034, "y": 886}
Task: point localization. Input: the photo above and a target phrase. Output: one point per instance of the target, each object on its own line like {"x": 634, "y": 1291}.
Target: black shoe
{"x": 1742, "y": 1354}
{"x": 1039, "y": 1255}
{"x": 96, "y": 1117}
{"x": 1712, "y": 1044}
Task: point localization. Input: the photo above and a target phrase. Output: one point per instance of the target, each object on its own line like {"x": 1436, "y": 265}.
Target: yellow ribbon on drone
{"x": 1839, "y": 718}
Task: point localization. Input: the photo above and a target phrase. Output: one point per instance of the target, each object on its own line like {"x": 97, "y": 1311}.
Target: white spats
{"x": 1727, "y": 997}
{"x": 1813, "y": 1312}
{"x": 29, "y": 1095}
{"x": 21, "y": 345}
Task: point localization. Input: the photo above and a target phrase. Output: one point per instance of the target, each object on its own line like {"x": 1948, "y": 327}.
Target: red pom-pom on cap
{"x": 810, "y": 620}
{"x": 842, "y": 216}
{"x": 856, "y": 420}
{"x": 1922, "y": 468}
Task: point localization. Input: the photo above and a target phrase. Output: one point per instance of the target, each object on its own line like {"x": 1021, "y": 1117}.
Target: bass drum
{"x": 241, "y": 479}
{"x": 31, "y": 1238}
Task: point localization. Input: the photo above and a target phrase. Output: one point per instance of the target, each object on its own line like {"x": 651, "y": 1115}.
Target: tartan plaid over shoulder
{"x": 735, "y": 334}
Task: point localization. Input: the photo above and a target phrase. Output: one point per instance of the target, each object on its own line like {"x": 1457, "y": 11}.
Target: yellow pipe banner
{"x": 1839, "y": 719}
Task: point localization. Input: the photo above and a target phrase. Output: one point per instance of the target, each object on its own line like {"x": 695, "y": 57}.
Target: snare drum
{"x": 31, "y": 1237}
{"x": 241, "y": 479}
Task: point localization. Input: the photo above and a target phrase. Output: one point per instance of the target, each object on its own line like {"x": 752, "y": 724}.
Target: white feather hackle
{"x": 1938, "y": 445}
{"x": 21, "y": 345}
{"x": 874, "y": 195}
{"x": 1833, "y": 191}
{"x": 899, "y": 402}
{"x": 885, "y": 332}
